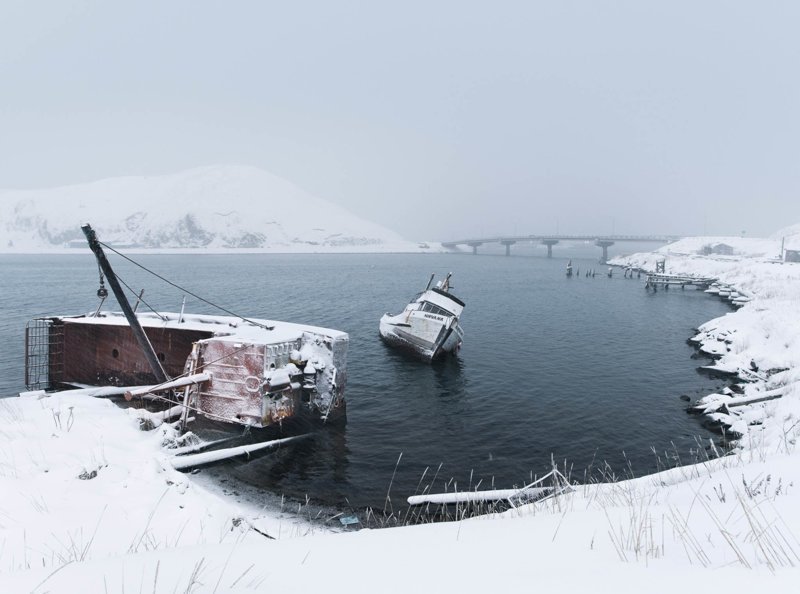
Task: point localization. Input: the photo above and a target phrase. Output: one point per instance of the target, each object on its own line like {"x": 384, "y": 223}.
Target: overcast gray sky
{"x": 438, "y": 119}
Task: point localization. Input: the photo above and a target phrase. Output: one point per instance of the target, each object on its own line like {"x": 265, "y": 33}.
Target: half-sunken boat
{"x": 429, "y": 326}
{"x": 250, "y": 372}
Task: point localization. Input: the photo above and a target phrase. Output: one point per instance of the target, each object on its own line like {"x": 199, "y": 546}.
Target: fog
{"x": 439, "y": 120}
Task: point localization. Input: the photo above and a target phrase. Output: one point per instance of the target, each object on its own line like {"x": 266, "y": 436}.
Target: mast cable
{"x": 141, "y": 299}
{"x": 169, "y": 282}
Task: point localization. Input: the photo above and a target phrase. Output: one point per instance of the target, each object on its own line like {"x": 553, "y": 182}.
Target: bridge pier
{"x": 605, "y": 244}
{"x": 508, "y": 243}
{"x": 549, "y": 243}
{"x": 601, "y": 241}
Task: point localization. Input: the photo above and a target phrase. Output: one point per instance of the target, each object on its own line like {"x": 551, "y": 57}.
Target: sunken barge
{"x": 250, "y": 372}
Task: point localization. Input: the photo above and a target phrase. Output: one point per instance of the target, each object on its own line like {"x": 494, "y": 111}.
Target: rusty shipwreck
{"x": 250, "y": 372}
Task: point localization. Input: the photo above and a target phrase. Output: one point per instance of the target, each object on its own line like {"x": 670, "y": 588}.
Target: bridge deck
{"x": 559, "y": 237}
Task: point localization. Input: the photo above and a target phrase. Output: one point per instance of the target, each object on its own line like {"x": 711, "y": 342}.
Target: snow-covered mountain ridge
{"x": 208, "y": 208}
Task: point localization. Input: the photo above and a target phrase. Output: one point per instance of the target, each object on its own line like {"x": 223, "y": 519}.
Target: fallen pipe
{"x": 193, "y": 460}
{"x": 474, "y": 496}
{"x": 490, "y": 495}
{"x": 176, "y": 383}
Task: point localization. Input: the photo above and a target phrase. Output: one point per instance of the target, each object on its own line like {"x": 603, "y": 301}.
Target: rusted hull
{"x": 263, "y": 384}
{"x": 263, "y": 380}
{"x": 110, "y": 356}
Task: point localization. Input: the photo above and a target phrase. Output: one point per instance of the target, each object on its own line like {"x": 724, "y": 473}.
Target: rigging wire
{"x": 127, "y": 286}
{"x": 169, "y": 282}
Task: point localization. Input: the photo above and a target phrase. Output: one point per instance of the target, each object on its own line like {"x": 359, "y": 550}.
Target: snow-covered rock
{"x": 759, "y": 343}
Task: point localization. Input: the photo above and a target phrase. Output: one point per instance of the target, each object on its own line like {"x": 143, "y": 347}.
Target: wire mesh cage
{"x": 44, "y": 353}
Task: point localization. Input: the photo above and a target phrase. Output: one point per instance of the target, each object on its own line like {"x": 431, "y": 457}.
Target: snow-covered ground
{"x": 138, "y": 526}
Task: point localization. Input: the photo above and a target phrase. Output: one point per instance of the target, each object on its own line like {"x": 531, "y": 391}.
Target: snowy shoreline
{"x": 756, "y": 344}
{"x": 136, "y": 524}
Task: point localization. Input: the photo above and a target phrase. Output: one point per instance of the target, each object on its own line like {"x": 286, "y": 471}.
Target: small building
{"x": 721, "y": 249}
{"x": 791, "y": 256}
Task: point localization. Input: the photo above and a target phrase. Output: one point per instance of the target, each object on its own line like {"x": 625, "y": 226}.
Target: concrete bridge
{"x": 601, "y": 241}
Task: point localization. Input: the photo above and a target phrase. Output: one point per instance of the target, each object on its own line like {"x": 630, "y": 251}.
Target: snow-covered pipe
{"x": 176, "y": 383}
{"x": 466, "y": 496}
{"x": 490, "y": 495}
{"x": 95, "y": 392}
{"x": 192, "y": 460}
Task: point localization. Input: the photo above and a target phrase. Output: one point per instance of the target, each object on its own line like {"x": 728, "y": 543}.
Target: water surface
{"x": 582, "y": 369}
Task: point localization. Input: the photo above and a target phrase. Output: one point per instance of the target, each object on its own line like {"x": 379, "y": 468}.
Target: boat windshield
{"x": 435, "y": 309}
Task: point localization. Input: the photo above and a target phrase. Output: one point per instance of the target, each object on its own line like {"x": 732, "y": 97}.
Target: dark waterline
{"x": 582, "y": 369}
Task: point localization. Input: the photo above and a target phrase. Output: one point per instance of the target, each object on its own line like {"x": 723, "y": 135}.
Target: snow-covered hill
{"x": 208, "y": 208}
{"x": 790, "y": 236}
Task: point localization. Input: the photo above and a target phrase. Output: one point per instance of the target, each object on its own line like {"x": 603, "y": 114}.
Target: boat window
{"x": 115, "y": 353}
{"x": 435, "y": 309}
{"x": 161, "y": 357}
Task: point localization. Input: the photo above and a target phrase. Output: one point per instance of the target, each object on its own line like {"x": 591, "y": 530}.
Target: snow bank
{"x": 81, "y": 482}
{"x": 728, "y": 523}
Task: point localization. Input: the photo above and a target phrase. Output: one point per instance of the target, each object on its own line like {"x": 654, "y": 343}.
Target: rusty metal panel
{"x": 109, "y": 355}
{"x": 234, "y": 391}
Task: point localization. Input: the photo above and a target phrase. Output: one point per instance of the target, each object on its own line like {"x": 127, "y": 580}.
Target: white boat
{"x": 429, "y": 326}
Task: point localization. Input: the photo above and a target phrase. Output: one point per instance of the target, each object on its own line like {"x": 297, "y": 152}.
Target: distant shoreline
{"x": 434, "y": 248}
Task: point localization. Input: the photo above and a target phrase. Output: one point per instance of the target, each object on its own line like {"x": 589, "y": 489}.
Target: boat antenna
{"x": 138, "y": 332}
{"x": 430, "y": 281}
{"x": 446, "y": 283}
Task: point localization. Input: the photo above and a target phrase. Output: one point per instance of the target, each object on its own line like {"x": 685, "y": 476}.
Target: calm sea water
{"x": 584, "y": 369}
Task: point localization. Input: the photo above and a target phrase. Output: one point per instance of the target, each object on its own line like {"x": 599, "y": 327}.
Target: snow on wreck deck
{"x": 228, "y": 328}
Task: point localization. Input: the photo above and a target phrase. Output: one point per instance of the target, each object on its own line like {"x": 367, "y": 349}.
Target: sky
{"x": 440, "y": 120}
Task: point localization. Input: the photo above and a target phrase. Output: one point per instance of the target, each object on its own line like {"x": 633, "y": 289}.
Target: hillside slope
{"x": 212, "y": 208}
